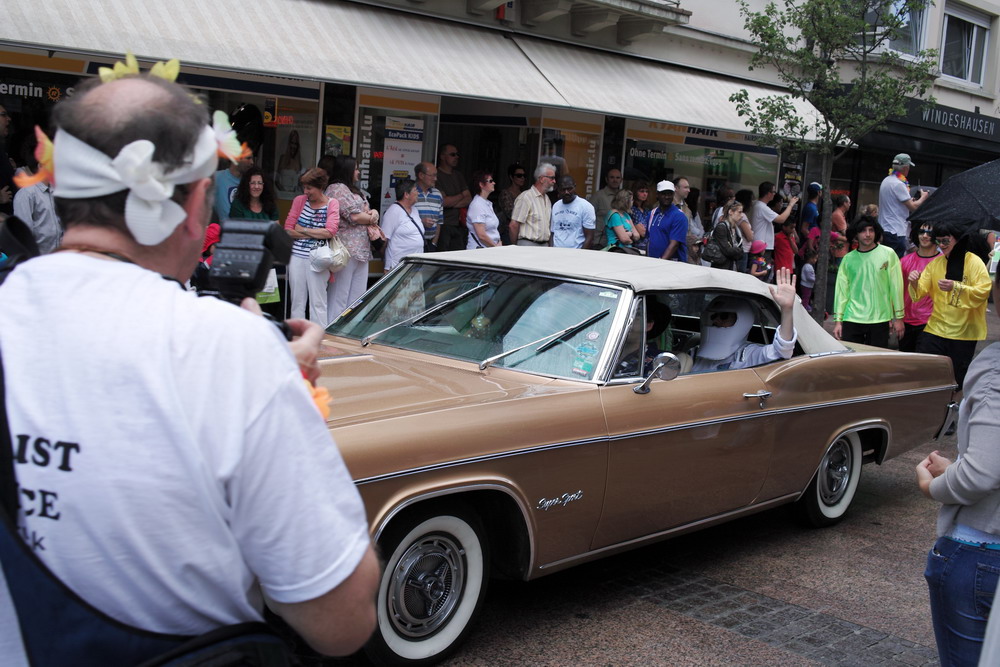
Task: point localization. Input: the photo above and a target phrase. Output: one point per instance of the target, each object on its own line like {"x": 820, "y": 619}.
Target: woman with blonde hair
{"x": 620, "y": 230}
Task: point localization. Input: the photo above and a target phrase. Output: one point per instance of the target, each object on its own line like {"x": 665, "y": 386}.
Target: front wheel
{"x": 432, "y": 586}
{"x": 833, "y": 486}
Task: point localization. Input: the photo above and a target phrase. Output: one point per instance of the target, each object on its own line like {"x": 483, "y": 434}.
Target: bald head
{"x": 108, "y": 116}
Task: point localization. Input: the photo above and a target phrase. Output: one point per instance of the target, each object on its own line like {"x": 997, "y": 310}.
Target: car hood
{"x": 377, "y": 382}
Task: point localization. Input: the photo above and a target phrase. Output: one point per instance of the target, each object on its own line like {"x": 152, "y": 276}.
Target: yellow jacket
{"x": 961, "y": 313}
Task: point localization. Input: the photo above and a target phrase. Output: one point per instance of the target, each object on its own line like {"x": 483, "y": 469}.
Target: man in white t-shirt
{"x": 895, "y": 203}
{"x": 763, "y": 220}
{"x": 573, "y": 218}
{"x": 172, "y": 468}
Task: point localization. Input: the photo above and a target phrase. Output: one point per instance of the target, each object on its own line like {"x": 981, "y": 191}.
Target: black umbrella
{"x": 970, "y": 199}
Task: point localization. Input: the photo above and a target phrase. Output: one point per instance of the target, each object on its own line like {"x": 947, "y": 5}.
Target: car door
{"x": 693, "y": 447}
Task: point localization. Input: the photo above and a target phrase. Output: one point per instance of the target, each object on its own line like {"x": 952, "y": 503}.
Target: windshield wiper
{"x": 430, "y": 311}
{"x": 550, "y": 340}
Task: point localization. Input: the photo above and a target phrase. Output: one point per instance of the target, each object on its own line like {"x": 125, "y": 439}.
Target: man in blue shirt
{"x": 668, "y": 226}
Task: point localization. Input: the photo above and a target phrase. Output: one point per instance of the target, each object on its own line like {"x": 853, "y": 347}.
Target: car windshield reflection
{"x": 507, "y": 311}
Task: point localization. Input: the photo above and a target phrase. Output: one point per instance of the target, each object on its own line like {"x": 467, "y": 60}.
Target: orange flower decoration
{"x": 44, "y": 154}
{"x": 321, "y": 397}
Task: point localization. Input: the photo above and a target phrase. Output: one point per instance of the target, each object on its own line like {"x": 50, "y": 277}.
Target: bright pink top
{"x": 920, "y": 311}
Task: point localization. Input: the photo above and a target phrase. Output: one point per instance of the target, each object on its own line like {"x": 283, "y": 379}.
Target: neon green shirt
{"x": 961, "y": 313}
{"x": 869, "y": 287}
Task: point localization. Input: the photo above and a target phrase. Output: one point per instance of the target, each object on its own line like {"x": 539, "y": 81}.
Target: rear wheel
{"x": 832, "y": 488}
{"x": 432, "y": 587}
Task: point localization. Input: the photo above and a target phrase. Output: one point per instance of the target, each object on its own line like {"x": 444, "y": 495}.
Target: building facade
{"x": 637, "y": 85}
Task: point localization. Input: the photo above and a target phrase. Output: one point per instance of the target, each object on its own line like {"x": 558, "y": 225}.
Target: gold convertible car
{"x": 514, "y": 411}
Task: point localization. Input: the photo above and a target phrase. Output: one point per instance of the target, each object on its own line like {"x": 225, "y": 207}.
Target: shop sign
{"x": 404, "y": 143}
{"x": 951, "y": 120}
{"x": 31, "y": 89}
{"x": 365, "y": 149}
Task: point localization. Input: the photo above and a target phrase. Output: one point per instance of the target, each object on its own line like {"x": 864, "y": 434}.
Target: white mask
{"x": 721, "y": 342}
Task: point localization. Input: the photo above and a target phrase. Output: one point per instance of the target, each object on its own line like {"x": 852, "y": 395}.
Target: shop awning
{"x": 633, "y": 87}
{"x": 360, "y": 44}
{"x": 309, "y": 39}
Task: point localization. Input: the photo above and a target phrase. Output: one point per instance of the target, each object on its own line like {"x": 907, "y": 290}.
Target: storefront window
{"x": 28, "y": 97}
{"x": 709, "y": 159}
{"x": 570, "y": 142}
{"x": 394, "y": 135}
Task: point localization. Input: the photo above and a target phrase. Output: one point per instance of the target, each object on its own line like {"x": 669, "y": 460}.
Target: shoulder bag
{"x": 428, "y": 244}
{"x": 712, "y": 252}
{"x": 329, "y": 255}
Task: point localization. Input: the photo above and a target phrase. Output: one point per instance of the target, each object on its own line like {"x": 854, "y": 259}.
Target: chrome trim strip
{"x": 639, "y": 434}
{"x": 461, "y": 489}
{"x": 682, "y": 528}
{"x": 481, "y": 459}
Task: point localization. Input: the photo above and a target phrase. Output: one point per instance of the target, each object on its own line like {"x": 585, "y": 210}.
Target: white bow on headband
{"x": 82, "y": 172}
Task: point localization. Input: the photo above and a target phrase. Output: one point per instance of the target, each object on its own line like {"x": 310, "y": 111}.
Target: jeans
{"x": 897, "y": 243}
{"x": 962, "y": 580}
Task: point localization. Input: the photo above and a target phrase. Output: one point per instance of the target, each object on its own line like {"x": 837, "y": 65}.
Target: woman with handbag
{"x": 484, "y": 225}
{"x": 401, "y": 225}
{"x": 725, "y": 245}
{"x": 358, "y": 226}
{"x": 311, "y": 222}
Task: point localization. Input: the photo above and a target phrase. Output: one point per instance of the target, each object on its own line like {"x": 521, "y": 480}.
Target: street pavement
{"x": 757, "y": 591}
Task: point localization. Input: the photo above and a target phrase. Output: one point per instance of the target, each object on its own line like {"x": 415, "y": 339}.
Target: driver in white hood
{"x": 726, "y": 323}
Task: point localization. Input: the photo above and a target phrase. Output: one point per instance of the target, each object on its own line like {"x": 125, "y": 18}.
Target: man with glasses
{"x": 602, "y": 203}
{"x": 456, "y": 196}
{"x": 868, "y": 300}
{"x": 6, "y": 168}
{"x": 917, "y": 312}
{"x": 895, "y": 203}
{"x": 530, "y": 222}
{"x": 430, "y": 201}
{"x": 573, "y": 218}
{"x": 959, "y": 285}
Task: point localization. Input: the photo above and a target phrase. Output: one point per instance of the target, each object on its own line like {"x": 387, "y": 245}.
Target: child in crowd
{"x": 785, "y": 246}
{"x": 808, "y": 278}
{"x": 759, "y": 268}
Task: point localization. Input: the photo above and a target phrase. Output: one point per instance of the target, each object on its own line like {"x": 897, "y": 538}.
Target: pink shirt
{"x": 915, "y": 312}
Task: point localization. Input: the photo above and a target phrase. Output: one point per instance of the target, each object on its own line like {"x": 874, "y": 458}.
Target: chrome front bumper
{"x": 950, "y": 418}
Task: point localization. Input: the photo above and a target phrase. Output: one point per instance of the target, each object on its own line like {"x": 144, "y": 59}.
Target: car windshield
{"x": 495, "y": 313}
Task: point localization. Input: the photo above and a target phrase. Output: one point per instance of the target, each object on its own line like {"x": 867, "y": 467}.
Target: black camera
{"x": 245, "y": 253}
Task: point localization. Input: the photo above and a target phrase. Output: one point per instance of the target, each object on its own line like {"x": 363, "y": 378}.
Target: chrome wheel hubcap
{"x": 835, "y": 474}
{"x": 427, "y": 585}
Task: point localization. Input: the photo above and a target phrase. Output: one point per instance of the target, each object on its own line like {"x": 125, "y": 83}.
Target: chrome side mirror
{"x": 666, "y": 366}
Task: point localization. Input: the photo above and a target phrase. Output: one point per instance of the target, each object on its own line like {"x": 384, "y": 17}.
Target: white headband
{"x": 82, "y": 172}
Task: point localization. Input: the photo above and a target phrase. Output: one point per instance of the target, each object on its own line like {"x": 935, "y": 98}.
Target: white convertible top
{"x": 641, "y": 274}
